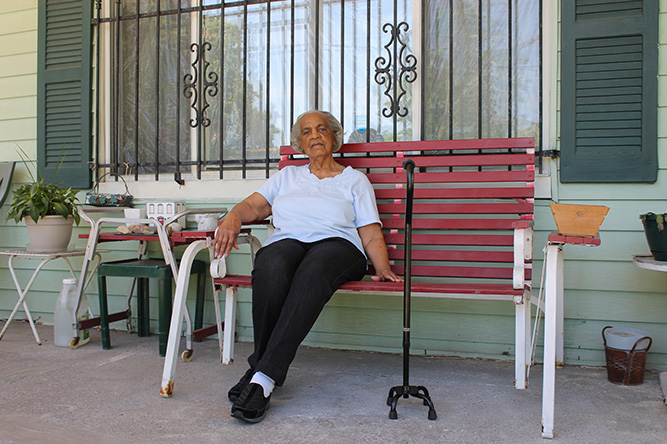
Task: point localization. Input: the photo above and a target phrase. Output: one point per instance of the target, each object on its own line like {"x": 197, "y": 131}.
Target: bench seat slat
{"x": 234, "y": 279}
{"x": 432, "y": 288}
{"x": 397, "y": 287}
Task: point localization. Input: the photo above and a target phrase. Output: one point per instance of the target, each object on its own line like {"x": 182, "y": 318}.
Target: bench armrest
{"x": 524, "y": 223}
{"x": 218, "y": 266}
{"x": 266, "y": 222}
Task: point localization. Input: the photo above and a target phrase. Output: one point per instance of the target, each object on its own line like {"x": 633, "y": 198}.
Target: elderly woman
{"x": 326, "y": 225}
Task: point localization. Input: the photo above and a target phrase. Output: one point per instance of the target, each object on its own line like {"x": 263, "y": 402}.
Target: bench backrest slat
{"x": 460, "y": 272}
{"x": 428, "y": 161}
{"x": 451, "y": 224}
{"x": 468, "y": 196}
{"x": 459, "y": 208}
{"x": 457, "y": 193}
{"x": 455, "y": 256}
{"x": 431, "y": 145}
{"x": 458, "y": 177}
{"x": 452, "y": 239}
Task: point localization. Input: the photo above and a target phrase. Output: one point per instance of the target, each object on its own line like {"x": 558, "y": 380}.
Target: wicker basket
{"x": 626, "y": 366}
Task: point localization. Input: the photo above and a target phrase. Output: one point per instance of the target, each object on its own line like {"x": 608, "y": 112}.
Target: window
{"x": 189, "y": 90}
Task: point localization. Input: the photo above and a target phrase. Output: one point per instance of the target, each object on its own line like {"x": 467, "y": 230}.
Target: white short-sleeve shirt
{"x": 310, "y": 209}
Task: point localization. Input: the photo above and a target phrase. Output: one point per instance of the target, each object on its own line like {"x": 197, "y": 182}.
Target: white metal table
{"x": 44, "y": 258}
{"x": 649, "y": 263}
{"x": 166, "y": 245}
{"x": 553, "y": 320}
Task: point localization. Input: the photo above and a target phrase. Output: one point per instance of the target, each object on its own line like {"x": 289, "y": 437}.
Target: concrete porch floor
{"x": 56, "y": 395}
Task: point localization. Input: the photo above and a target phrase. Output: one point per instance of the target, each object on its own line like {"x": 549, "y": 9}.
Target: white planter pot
{"x": 50, "y": 234}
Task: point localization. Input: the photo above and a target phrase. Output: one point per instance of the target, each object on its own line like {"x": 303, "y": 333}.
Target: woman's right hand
{"x": 226, "y": 235}
{"x": 252, "y": 208}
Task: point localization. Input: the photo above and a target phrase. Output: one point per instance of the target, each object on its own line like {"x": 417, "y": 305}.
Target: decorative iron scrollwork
{"x": 394, "y": 71}
{"x": 208, "y": 87}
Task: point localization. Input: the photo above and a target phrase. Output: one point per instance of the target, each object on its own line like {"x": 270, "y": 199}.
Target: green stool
{"x": 143, "y": 270}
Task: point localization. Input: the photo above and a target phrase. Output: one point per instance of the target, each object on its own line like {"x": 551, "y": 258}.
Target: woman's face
{"x": 317, "y": 138}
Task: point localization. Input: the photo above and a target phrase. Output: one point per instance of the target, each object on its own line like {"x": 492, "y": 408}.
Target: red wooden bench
{"x": 472, "y": 225}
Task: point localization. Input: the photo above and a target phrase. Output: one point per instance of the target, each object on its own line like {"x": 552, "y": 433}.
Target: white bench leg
{"x": 522, "y": 343}
{"x": 230, "y": 324}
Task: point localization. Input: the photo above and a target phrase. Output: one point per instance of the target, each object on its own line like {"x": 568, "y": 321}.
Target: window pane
{"x": 481, "y": 69}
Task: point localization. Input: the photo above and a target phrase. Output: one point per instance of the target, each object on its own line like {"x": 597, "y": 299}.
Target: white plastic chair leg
{"x": 217, "y": 267}
{"x": 230, "y": 324}
{"x": 179, "y": 309}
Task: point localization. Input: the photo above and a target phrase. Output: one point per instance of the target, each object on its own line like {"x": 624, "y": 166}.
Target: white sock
{"x": 267, "y": 383}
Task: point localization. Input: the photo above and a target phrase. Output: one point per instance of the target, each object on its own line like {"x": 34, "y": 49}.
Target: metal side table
{"x": 553, "y": 320}
{"x": 44, "y": 258}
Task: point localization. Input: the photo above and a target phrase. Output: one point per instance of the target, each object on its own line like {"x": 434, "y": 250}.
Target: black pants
{"x": 291, "y": 283}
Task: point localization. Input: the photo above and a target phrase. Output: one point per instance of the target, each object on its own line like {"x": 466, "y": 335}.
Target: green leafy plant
{"x": 39, "y": 199}
{"x": 659, "y": 219}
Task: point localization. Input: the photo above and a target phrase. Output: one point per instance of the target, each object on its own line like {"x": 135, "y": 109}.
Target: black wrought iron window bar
{"x": 355, "y": 58}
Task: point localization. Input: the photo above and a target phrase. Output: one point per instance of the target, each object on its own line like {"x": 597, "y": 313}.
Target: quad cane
{"x": 407, "y": 390}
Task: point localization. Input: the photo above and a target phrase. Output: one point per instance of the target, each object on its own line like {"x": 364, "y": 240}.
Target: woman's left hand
{"x": 376, "y": 249}
{"x": 386, "y": 275}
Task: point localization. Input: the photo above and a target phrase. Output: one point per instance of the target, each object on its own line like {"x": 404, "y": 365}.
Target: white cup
{"x": 134, "y": 213}
{"x": 206, "y": 221}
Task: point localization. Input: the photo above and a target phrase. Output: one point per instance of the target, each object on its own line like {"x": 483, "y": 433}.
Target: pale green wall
{"x": 18, "y": 78}
{"x": 603, "y": 287}
{"x": 18, "y": 110}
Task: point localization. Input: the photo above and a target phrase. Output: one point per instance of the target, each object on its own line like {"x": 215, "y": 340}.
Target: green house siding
{"x": 602, "y": 286}
{"x": 18, "y": 77}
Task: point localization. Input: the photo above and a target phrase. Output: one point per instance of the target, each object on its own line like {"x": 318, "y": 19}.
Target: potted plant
{"x": 48, "y": 211}
{"x": 656, "y": 235}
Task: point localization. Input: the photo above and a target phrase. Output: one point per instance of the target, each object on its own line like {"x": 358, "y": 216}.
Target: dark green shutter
{"x": 63, "y": 92}
{"x": 609, "y": 91}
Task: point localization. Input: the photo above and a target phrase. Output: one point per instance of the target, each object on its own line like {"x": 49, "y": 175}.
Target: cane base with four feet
{"x": 405, "y": 391}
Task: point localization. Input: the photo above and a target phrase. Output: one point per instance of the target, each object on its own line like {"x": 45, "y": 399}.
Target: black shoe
{"x": 235, "y": 391}
{"x": 251, "y": 406}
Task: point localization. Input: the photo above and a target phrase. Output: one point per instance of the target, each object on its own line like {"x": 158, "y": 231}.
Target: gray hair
{"x": 334, "y": 124}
